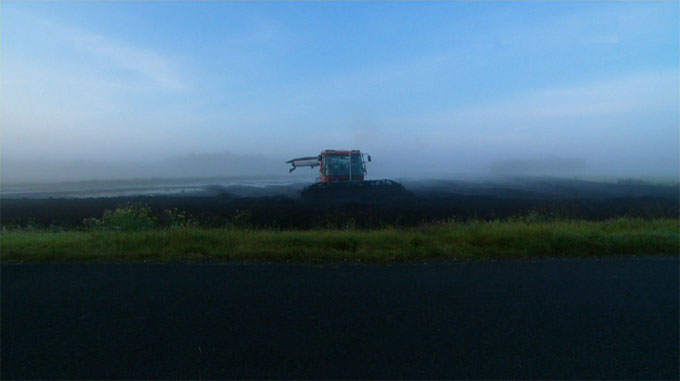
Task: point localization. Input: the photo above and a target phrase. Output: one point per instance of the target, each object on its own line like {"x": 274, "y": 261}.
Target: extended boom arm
{"x": 309, "y": 161}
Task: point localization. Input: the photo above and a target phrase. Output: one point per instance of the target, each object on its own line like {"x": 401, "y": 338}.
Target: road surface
{"x": 580, "y": 318}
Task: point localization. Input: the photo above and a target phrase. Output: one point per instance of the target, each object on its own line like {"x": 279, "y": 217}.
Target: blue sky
{"x": 428, "y": 87}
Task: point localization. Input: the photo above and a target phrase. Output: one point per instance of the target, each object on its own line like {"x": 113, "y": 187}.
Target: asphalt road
{"x": 598, "y": 318}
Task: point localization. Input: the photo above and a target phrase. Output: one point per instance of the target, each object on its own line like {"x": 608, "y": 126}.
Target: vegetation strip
{"x": 470, "y": 240}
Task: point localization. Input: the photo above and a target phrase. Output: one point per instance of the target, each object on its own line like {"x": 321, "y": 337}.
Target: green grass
{"x": 470, "y": 240}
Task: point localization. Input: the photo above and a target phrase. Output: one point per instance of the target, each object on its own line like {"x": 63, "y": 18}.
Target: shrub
{"x": 127, "y": 217}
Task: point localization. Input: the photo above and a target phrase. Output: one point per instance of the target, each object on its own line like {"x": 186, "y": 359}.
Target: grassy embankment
{"x": 470, "y": 240}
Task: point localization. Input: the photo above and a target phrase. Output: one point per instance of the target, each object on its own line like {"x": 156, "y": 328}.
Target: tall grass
{"x": 515, "y": 238}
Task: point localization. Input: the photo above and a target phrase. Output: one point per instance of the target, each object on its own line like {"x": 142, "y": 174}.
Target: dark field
{"x": 276, "y": 207}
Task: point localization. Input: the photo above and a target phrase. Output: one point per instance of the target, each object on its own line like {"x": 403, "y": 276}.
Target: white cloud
{"x": 143, "y": 62}
{"x": 640, "y": 94}
{"x": 145, "y": 65}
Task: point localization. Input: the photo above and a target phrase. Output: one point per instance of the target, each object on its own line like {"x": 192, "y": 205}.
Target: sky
{"x": 428, "y": 88}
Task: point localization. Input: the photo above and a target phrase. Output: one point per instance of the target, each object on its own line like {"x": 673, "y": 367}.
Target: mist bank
{"x": 42, "y": 170}
{"x": 413, "y": 165}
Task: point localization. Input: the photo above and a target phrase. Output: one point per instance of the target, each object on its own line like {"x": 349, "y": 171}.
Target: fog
{"x": 263, "y": 168}
{"x": 429, "y": 90}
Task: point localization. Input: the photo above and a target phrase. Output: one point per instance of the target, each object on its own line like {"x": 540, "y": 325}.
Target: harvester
{"x": 341, "y": 177}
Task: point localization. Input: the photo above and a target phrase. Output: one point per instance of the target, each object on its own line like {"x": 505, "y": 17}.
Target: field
{"x": 515, "y": 238}
{"x": 442, "y": 220}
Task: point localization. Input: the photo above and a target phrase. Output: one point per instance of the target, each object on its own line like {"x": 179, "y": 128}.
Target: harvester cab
{"x": 341, "y": 177}
{"x": 335, "y": 166}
